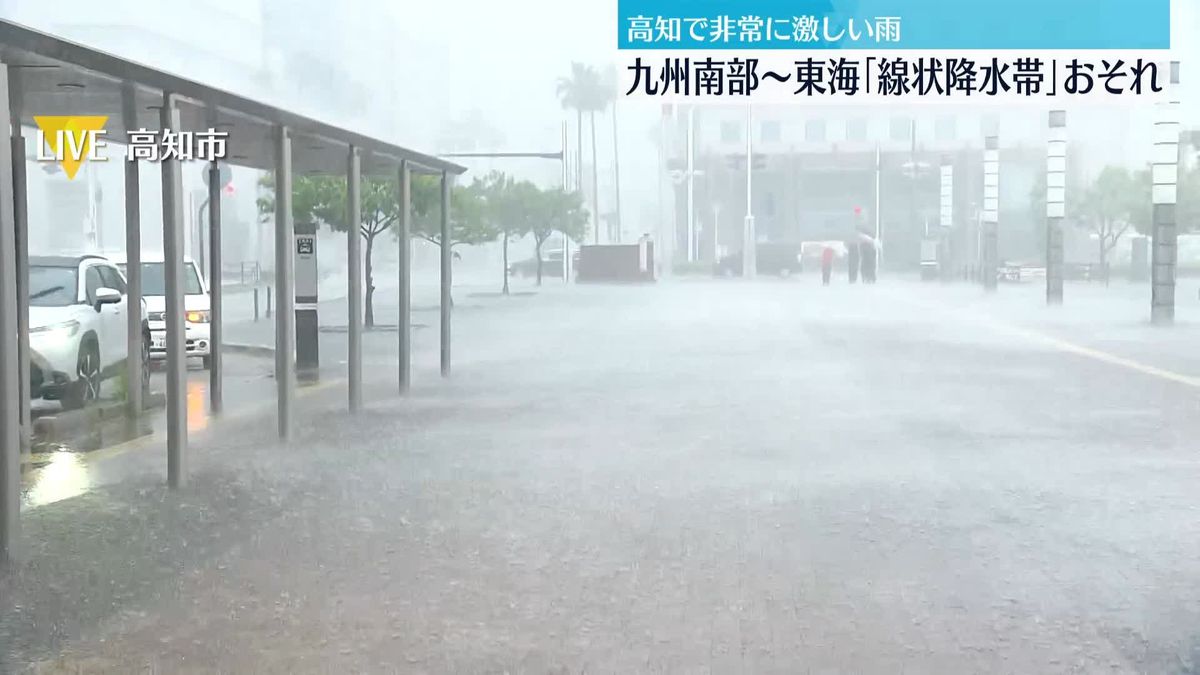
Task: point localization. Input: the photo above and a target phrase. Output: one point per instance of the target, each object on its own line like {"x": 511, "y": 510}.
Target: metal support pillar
{"x": 135, "y": 343}
{"x": 1056, "y": 190}
{"x": 10, "y": 377}
{"x": 1165, "y": 235}
{"x": 447, "y": 245}
{"x": 173, "y": 245}
{"x": 21, "y": 242}
{"x": 404, "y": 323}
{"x": 216, "y": 310}
{"x": 991, "y": 211}
{"x": 354, "y": 276}
{"x": 285, "y": 315}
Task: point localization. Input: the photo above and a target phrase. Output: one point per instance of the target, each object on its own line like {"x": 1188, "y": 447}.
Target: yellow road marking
{"x": 1103, "y": 356}
{"x": 1066, "y": 345}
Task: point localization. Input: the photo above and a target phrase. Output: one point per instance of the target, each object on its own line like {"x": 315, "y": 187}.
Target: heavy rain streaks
{"x": 736, "y": 387}
{"x": 703, "y": 475}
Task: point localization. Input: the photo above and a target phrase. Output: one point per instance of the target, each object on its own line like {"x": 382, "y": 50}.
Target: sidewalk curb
{"x": 264, "y": 351}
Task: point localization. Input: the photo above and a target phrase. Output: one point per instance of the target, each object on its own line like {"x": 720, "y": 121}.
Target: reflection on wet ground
{"x": 62, "y": 475}
{"x": 68, "y": 446}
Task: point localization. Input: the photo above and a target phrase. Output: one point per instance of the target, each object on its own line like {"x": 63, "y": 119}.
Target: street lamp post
{"x": 991, "y": 211}
{"x": 1056, "y": 186}
{"x": 749, "y": 262}
{"x": 946, "y": 214}
{"x": 878, "y": 216}
{"x": 1165, "y": 174}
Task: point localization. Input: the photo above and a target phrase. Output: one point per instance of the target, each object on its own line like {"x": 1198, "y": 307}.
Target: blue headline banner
{"x": 894, "y": 24}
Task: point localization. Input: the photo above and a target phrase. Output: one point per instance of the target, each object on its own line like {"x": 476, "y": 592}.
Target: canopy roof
{"x": 59, "y": 77}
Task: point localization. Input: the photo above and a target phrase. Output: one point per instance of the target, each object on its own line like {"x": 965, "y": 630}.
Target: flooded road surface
{"x": 695, "y": 477}
{"x": 81, "y": 445}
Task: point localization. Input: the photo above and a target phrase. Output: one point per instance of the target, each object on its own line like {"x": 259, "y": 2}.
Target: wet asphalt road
{"x": 696, "y": 477}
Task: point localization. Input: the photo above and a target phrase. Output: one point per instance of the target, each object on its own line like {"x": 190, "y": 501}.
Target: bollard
{"x": 255, "y": 304}
{"x": 268, "y": 302}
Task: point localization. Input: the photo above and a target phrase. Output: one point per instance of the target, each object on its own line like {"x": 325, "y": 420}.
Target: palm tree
{"x": 584, "y": 91}
{"x": 572, "y": 94}
{"x": 610, "y": 98}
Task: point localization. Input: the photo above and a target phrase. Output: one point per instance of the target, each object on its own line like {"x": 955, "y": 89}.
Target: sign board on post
{"x": 307, "y": 324}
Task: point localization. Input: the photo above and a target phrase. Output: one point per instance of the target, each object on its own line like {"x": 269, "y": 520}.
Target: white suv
{"x": 195, "y": 305}
{"x": 77, "y": 328}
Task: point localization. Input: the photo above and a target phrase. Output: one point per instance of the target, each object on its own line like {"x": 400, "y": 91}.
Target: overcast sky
{"x": 443, "y": 62}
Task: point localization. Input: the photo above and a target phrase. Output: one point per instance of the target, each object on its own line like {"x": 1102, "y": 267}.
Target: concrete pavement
{"x": 695, "y": 477}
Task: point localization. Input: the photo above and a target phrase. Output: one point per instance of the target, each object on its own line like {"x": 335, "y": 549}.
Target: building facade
{"x": 829, "y": 172}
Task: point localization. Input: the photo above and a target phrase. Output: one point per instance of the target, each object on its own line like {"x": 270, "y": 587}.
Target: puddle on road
{"x": 60, "y": 469}
{"x": 197, "y": 405}
{"x": 64, "y": 475}
{"x": 60, "y": 466}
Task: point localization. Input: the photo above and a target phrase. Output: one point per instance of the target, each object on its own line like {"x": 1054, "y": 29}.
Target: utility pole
{"x": 749, "y": 240}
{"x": 566, "y": 254}
{"x": 716, "y": 228}
{"x": 664, "y": 246}
{"x": 878, "y": 215}
{"x": 617, "y": 170}
{"x": 912, "y": 178}
{"x": 691, "y": 183}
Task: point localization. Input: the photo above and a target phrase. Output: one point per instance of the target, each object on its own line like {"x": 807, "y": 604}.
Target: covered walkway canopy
{"x": 46, "y": 75}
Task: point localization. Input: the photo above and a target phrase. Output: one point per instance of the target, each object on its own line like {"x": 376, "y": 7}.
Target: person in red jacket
{"x": 826, "y": 265}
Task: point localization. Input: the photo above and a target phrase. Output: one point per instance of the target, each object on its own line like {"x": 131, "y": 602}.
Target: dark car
{"x": 772, "y": 259}
{"x": 552, "y": 265}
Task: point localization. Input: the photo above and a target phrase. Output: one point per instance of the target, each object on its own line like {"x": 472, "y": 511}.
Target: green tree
{"x": 1110, "y": 206}
{"x": 1187, "y": 207}
{"x": 556, "y": 210}
{"x": 321, "y": 200}
{"x": 572, "y": 93}
{"x": 504, "y": 212}
{"x": 469, "y": 224}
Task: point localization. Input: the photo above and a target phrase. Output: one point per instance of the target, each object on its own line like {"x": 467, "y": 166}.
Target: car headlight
{"x": 57, "y": 331}
{"x": 197, "y": 317}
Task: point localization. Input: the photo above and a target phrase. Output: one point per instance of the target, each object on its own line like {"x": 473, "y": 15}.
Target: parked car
{"x": 196, "y": 305}
{"x": 771, "y": 259}
{"x": 551, "y": 265}
{"x": 77, "y": 328}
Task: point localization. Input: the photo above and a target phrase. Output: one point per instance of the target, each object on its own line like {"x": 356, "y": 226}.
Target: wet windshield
{"x": 53, "y": 286}
{"x": 154, "y": 281}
